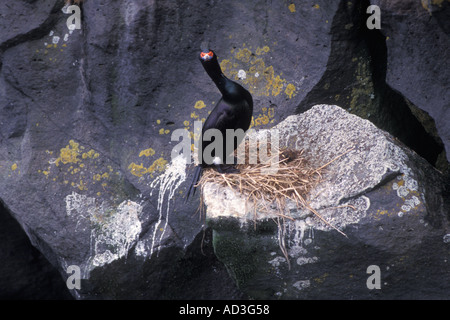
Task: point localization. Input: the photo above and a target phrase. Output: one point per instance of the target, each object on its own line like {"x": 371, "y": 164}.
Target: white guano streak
{"x": 168, "y": 182}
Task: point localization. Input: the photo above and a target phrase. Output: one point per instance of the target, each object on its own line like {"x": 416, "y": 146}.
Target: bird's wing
{"x": 220, "y": 118}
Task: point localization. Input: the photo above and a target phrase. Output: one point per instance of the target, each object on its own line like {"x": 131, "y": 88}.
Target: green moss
{"x": 237, "y": 255}
{"x": 246, "y": 250}
{"x": 362, "y": 101}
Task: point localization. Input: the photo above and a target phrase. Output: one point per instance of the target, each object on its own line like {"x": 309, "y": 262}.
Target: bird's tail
{"x": 195, "y": 180}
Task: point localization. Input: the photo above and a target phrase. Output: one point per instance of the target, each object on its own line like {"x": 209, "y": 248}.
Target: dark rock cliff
{"x": 86, "y": 117}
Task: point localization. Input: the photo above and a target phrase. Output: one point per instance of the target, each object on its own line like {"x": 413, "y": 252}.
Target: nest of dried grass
{"x": 292, "y": 178}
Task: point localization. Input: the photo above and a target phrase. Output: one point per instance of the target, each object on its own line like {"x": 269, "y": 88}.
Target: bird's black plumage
{"x": 233, "y": 111}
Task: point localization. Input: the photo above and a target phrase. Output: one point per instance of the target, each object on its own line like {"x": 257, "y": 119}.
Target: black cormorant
{"x": 233, "y": 111}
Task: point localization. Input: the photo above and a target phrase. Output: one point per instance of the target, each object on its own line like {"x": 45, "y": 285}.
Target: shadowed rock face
{"x": 385, "y": 198}
{"x": 86, "y": 117}
{"x": 26, "y": 274}
{"x": 383, "y": 75}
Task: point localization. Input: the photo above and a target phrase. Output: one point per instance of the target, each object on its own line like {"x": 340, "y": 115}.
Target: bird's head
{"x": 206, "y": 56}
{"x": 210, "y": 63}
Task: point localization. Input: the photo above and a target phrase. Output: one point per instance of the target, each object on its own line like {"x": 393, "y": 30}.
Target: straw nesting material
{"x": 288, "y": 175}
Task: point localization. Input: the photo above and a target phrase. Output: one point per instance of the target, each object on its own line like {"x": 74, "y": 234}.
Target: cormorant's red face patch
{"x": 206, "y": 56}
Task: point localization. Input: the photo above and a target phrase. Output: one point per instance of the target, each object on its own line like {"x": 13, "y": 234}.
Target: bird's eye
{"x": 206, "y": 56}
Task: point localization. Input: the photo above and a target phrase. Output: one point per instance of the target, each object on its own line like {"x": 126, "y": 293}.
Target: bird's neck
{"x": 226, "y": 87}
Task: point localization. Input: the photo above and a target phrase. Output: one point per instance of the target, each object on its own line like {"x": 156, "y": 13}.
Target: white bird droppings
{"x": 242, "y": 75}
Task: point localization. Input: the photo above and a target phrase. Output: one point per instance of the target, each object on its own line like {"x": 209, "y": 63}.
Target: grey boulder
{"x": 387, "y": 200}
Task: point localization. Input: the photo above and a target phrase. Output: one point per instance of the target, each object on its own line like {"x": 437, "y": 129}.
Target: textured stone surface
{"x": 386, "y": 199}
{"x": 26, "y": 274}
{"x": 86, "y": 118}
{"x": 422, "y": 30}
{"x": 392, "y": 76}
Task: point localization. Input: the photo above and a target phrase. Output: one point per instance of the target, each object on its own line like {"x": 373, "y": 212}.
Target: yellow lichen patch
{"x": 199, "y": 105}
{"x": 98, "y": 176}
{"x": 261, "y": 78}
{"x": 14, "y": 167}
{"x": 259, "y": 51}
{"x": 291, "y": 7}
{"x": 263, "y": 118}
{"x": 91, "y": 154}
{"x": 383, "y": 213}
{"x": 243, "y": 55}
{"x": 147, "y": 153}
{"x": 257, "y": 68}
{"x": 186, "y": 123}
{"x": 157, "y": 165}
{"x": 321, "y": 278}
{"x": 226, "y": 64}
{"x": 137, "y": 169}
{"x": 69, "y": 154}
{"x": 276, "y": 84}
{"x": 82, "y": 186}
{"x": 290, "y": 90}
{"x": 194, "y": 115}
{"x": 76, "y": 168}
{"x": 161, "y": 131}
{"x": 316, "y": 6}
